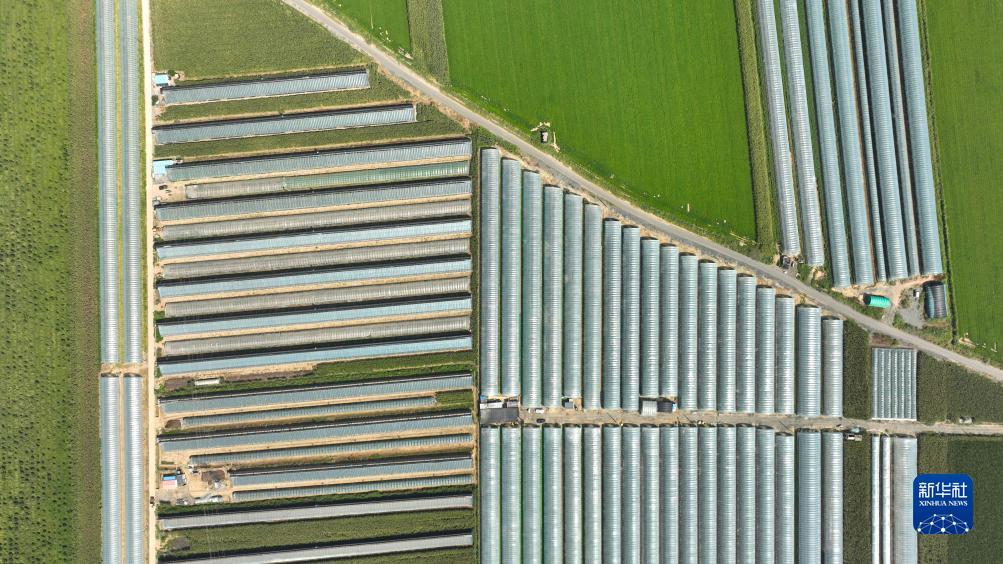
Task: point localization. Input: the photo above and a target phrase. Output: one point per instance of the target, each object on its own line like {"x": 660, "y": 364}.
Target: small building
{"x": 935, "y": 300}
{"x": 169, "y": 482}
{"x": 499, "y": 415}
{"x": 874, "y": 300}
{"x": 666, "y": 406}
{"x": 161, "y": 79}
{"x": 649, "y": 407}
{"x": 160, "y": 168}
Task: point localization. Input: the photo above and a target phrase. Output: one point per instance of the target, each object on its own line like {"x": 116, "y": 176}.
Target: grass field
{"x": 962, "y": 41}
{"x": 248, "y": 37}
{"x": 647, "y": 95}
{"x": 386, "y": 20}
{"x": 221, "y": 540}
{"x": 946, "y": 391}
{"x": 430, "y": 124}
{"x": 49, "y": 472}
{"x": 979, "y": 457}
{"x": 856, "y": 371}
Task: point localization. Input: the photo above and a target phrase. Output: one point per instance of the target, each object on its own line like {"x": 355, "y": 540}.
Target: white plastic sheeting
{"x": 630, "y": 320}
{"x": 797, "y": 95}
{"x": 215, "y": 92}
{"x": 532, "y": 290}
{"x": 553, "y": 298}
{"x": 894, "y": 380}
{"x": 573, "y": 296}
{"x": 511, "y": 277}
{"x": 782, "y": 166}
{"x": 612, "y": 303}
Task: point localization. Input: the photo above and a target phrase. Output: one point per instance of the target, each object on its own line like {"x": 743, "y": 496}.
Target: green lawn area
{"x": 946, "y": 391}
{"x": 386, "y": 20}
{"x": 963, "y": 44}
{"x": 50, "y": 468}
{"x": 979, "y": 457}
{"x": 247, "y": 37}
{"x": 647, "y": 95}
{"x": 221, "y": 540}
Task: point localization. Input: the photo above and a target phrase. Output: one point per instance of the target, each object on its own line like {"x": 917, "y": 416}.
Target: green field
{"x": 385, "y": 20}
{"x": 979, "y": 457}
{"x": 247, "y": 37}
{"x": 50, "y": 469}
{"x": 963, "y": 44}
{"x": 647, "y": 95}
{"x": 857, "y": 388}
{"x": 946, "y": 391}
{"x": 221, "y": 540}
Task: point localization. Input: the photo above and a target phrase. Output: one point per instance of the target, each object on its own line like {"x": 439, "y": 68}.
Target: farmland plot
{"x": 647, "y": 95}
{"x": 966, "y": 80}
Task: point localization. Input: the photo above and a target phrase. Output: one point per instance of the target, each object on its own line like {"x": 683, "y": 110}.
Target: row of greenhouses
{"x": 265, "y": 87}
{"x": 306, "y": 513}
{"x": 284, "y": 124}
{"x": 660, "y": 494}
{"x": 371, "y": 549}
{"x": 878, "y": 163}
{"x": 894, "y": 467}
{"x": 123, "y": 476}
{"x": 318, "y": 266}
{"x": 893, "y": 377}
{"x": 581, "y": 309}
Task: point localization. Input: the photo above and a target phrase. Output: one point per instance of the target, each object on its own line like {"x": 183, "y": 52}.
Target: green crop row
{"x": 275, "y": 536}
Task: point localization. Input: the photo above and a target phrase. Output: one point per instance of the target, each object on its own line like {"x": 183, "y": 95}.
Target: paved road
{"x": 778, "y": 421}
{"x": 628, "y": 210}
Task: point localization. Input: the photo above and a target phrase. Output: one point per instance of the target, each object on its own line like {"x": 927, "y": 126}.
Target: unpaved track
{"x": 151, "y": 343}
{"x": 629, "y": 211}
{"x": 780, "y": 422}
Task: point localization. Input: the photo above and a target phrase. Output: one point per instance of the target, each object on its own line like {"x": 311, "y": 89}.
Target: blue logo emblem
{"x": 942, "y": 504}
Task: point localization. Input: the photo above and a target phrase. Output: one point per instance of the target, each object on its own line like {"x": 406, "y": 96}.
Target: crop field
{"x": 945, "y": 391}
{"x": 755, "y": 120}
{"x": 647, "y": 95}
{"x": 966, "y": 81}
{"x": 979, "y": 458}
{"x": 343, "y": 373}
{"x": 856, "y": 371}
{"x": 386, "y": 20}
{"x": 216, "y": 540}
{"x": 49, "y": 471}
{"x": 857, "y": 501}
{"x": 241, "y": 44}
{"x": 431, "y": 123}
